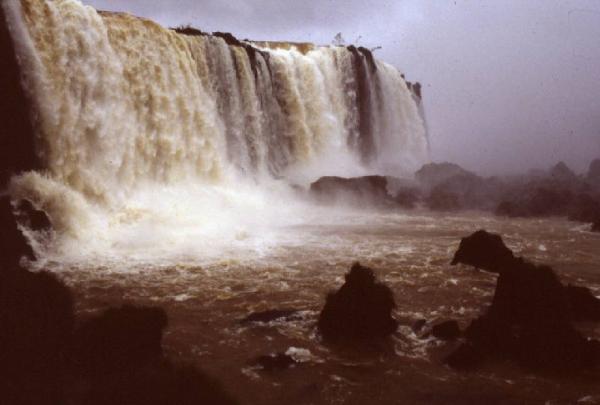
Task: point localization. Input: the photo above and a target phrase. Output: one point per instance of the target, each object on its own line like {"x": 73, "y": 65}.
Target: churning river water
{"x": 297, "y": 265}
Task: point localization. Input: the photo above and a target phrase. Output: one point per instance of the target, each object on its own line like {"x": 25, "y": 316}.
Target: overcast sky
{"x": 508, "y": 84}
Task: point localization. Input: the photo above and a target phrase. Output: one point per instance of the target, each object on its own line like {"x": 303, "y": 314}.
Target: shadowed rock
{"x": 448, "y": 330}
{"x": 162, "y": 383}
{"x": 583, "y": 304}
{"x": 120, "y": 338}
{"x": 13, "y": 243}
{"x": 483, "y": 250}
{"x": 367, "y": 189}
{"x": 593, "y": 174}
{"x": 360, "y": 310}
{"x": 596, "y": 226}
{"x": 530, "y": 317}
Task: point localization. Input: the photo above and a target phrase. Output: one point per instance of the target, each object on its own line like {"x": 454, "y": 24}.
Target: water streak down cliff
{"x": 120, "y": 105}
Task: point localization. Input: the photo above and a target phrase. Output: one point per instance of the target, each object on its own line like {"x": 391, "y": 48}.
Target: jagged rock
{"x": 274, "y": 362}
{"x": 485, "y": 251}
{"x": 270, "y": 315}
{"x": 356, "y": 190}
{"x": 448, "y": 330}
{"x": 120, "y": 339}
{"x": 360, "y": 310}
{"x": 530, "y": 317}
{"x": 432, "y": 174}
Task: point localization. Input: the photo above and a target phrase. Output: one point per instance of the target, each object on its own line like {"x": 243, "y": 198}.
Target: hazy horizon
{"x": 506, "y": 87}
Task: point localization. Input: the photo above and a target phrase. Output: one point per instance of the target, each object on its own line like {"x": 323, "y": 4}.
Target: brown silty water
{"x": 410, "y": 253}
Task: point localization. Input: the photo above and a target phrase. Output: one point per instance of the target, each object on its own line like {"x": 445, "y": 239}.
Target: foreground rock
{"x": 596, "y": 226}
{"x": 360, "y": 310}
{"x": 114, "y": 358}
{"x": 530, "y": 318}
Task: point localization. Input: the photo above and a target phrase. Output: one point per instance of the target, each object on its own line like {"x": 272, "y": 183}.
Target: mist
{"x": 507, "y": 86}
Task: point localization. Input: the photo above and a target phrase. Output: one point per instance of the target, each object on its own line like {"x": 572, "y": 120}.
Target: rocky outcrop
{"x": 530, "y": 318}
{"x": 485, "y": 251}
{"x": 371, "y": 190}
{"x": 433, "y": 174}
{"x": 360, "y": 310}
{"x": 596, "y": 226}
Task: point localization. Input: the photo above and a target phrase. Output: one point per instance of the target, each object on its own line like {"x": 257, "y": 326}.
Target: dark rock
{"x": 357, "y": 190}
{"x": 467, "y": 357}
{"x": 17, "y": 138}
{"x": 583, "y": 304}
{"x": 441, "y": 200}
{"x": 159, "y": 384}
{"x": 31, "y": 217}
{"x": 407, "y": 197}
{"x": 485, "y": 251}
{"x": 433, "y": 174}
{"x": 274, "y": 362}
{"x": 418, "y": 325}
{"x": 561, "y": 173}
{"x": 270, "y": 315}
{"x": 13, "y": 243}
{"x": 596, "y": 226}
{"x": 537, "y": 202}
{"x": 360, "y": 310}
{"x": 593, "y": 174}
{"x": 36, "y": 322}
{"x": 189, "y": 30}
{"x": 529, "y": 320}
{"x": 448, "y": 330}
{"x": 120, "y": 339}
{"x": 584, "y": 208}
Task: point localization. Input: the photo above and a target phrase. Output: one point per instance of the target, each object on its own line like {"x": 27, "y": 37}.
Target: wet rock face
{"x": 593, "y": 174}
{"x": 596, "y": 226}
{"x": 483, "y": 250}
{"x": 448, "y": 330}
{"x": 360, "y": 310}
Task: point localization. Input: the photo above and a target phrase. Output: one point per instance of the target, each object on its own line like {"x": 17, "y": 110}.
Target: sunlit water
{"x": 296, "y": 265}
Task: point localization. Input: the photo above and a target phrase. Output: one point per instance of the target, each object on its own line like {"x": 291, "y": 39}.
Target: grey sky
{"x": 508, "y": 84}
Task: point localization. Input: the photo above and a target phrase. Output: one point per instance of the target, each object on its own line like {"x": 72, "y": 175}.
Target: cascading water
{"x": 173, "y": 141}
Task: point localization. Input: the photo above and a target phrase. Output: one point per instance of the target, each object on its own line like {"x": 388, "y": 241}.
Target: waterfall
{"x": 132, "y": 118}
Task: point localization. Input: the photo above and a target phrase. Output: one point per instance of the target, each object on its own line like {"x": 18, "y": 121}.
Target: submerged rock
{"x": 360, "y": 310}
{"x": 274, "y": 362}
{"x": 270, "y": 316}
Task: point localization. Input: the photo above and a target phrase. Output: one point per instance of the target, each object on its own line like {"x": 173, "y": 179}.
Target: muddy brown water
{"x": 410, "y": 253}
